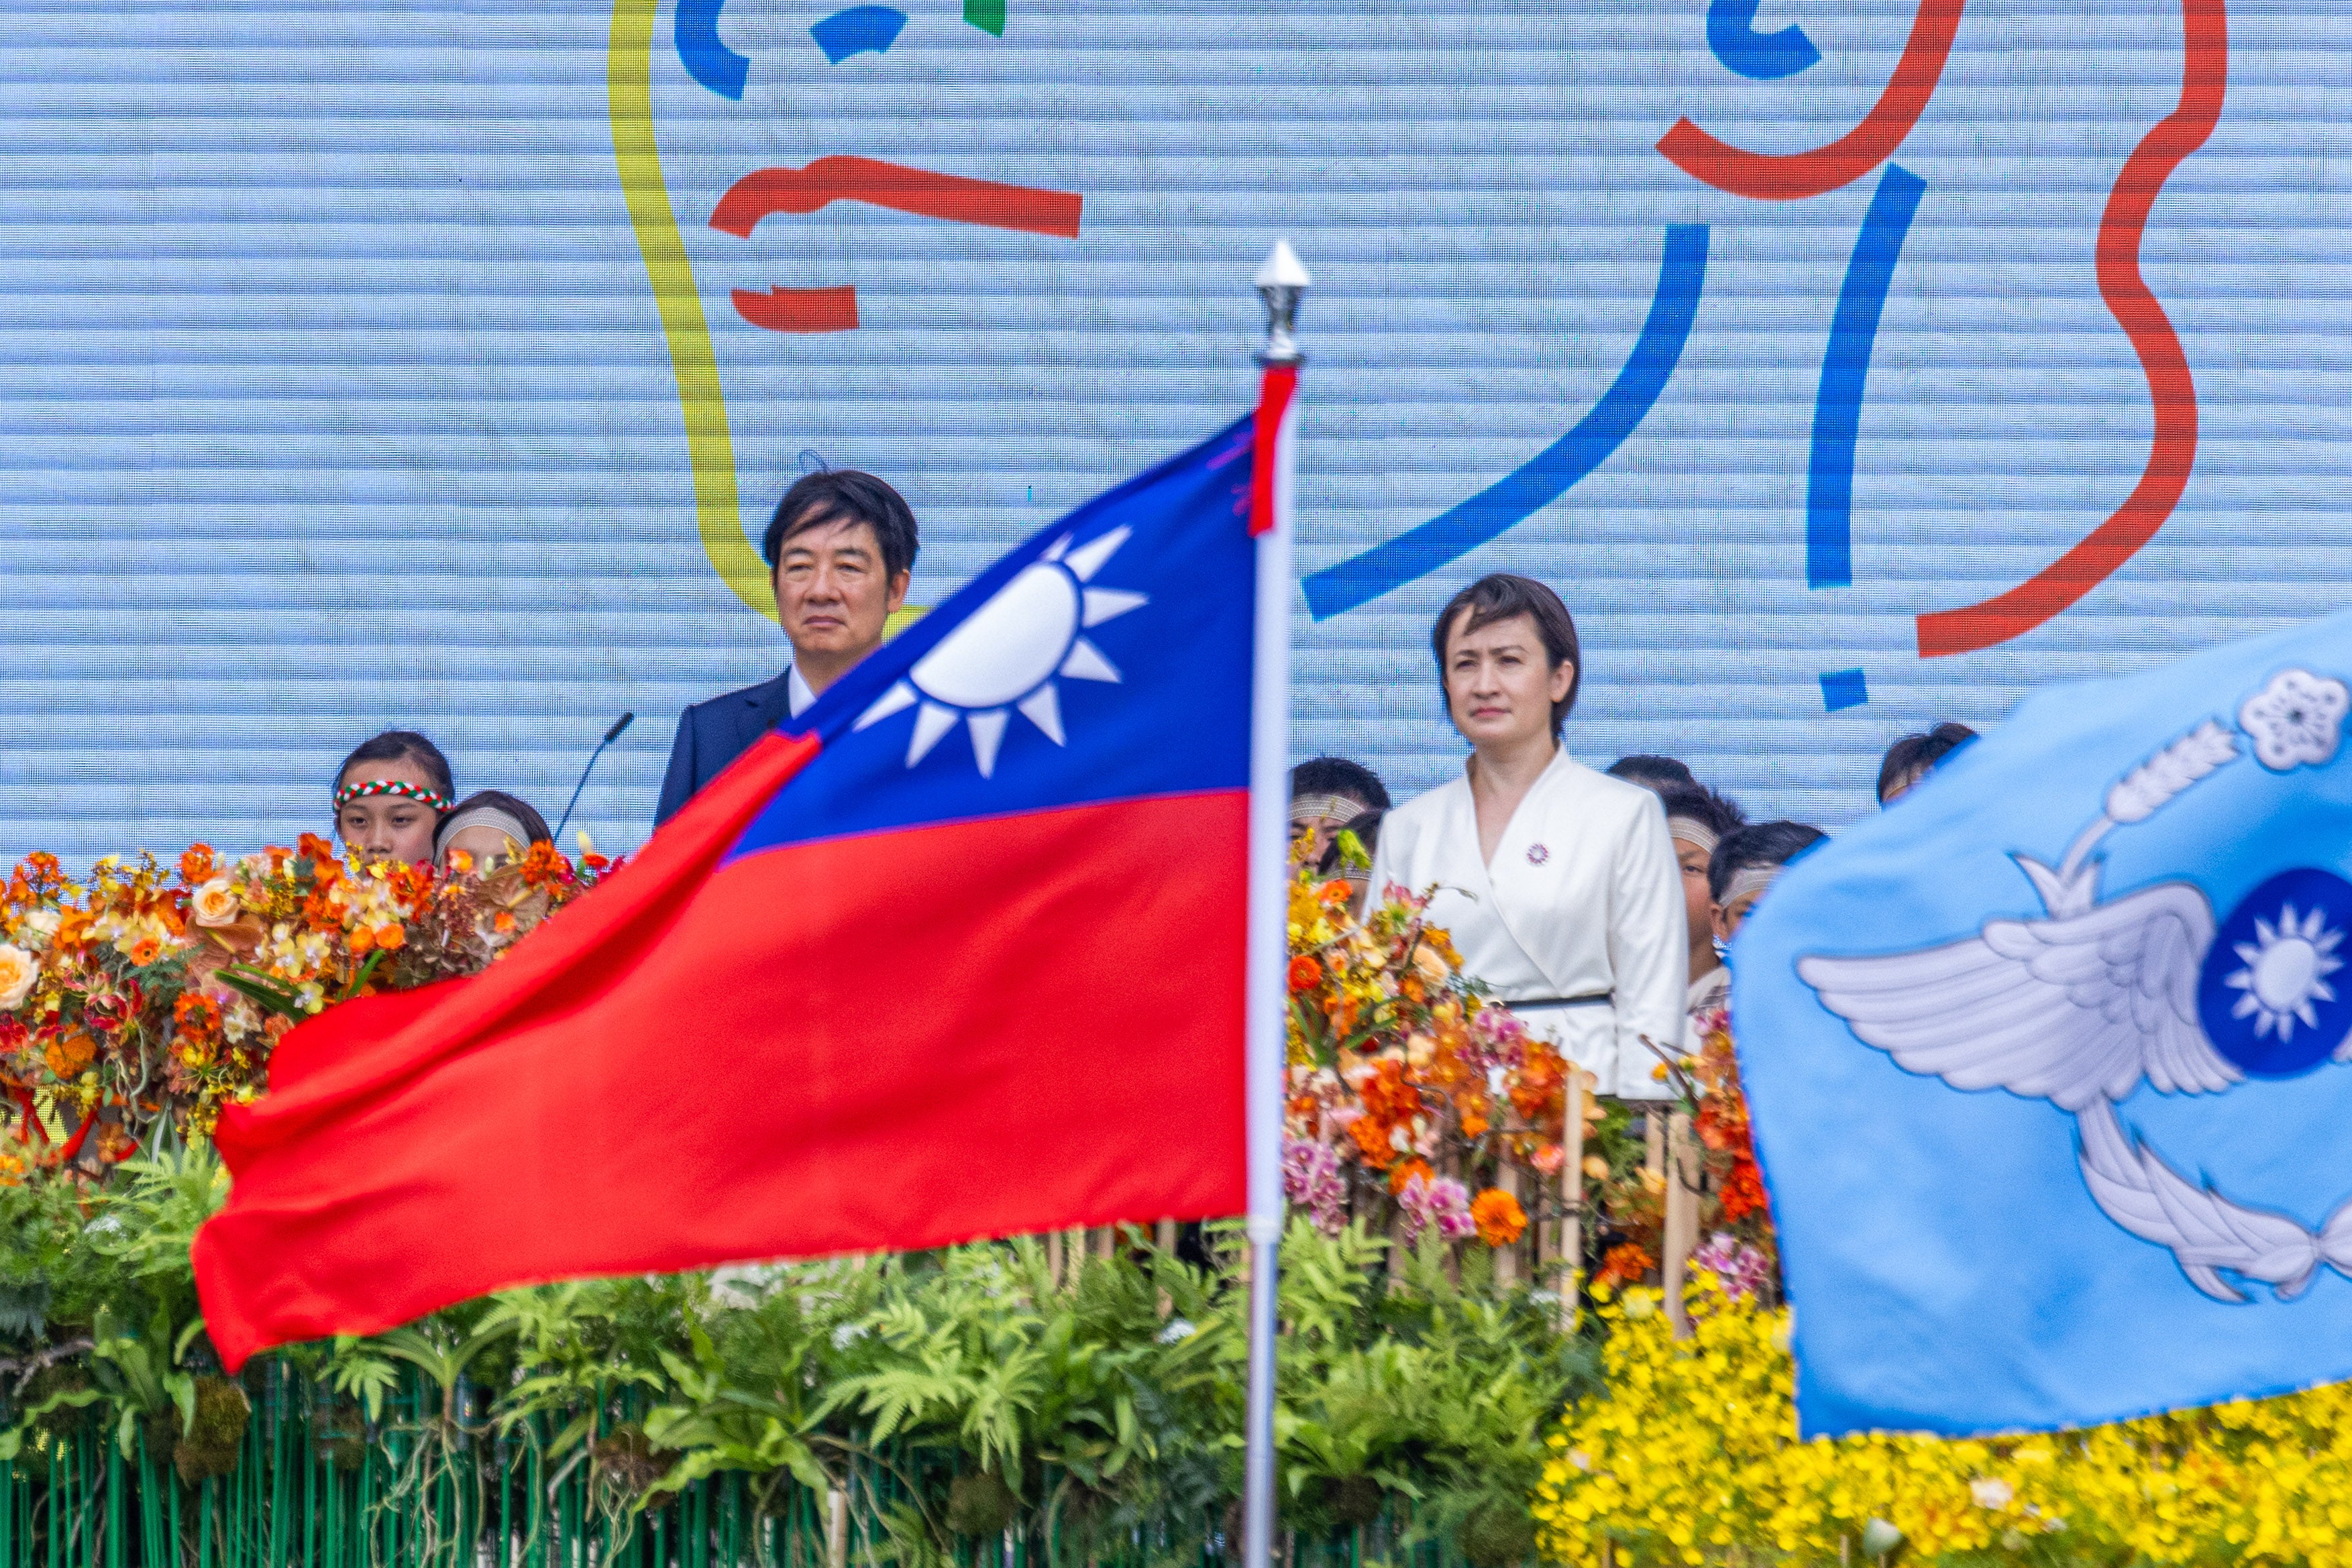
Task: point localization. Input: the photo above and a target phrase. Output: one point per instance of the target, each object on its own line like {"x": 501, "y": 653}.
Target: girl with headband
{"x": 391, "y": 794}
{"x": 489, "y": 826}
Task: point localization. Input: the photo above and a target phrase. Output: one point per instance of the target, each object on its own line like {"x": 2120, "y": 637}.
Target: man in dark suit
{"x": 841, "y": 546}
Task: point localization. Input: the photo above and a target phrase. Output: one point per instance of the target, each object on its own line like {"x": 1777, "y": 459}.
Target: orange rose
{"x": 361, "y": 940}
{"x": 390, "y": 939}
{"x": 1498, "y": 1217}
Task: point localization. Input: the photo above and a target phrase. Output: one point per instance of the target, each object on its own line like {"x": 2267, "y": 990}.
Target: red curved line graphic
{"x": 1788, "y": 176}
{"x": 2204, "y": 79}
{"x": 901, "y": 189}
{"x": 800, "y": 310}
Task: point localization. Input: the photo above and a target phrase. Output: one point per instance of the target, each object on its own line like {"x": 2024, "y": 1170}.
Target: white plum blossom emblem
{"x": 1005, "y": 657}
{"x": 2297, "y": 718}
{"x": 2286, "y": 970}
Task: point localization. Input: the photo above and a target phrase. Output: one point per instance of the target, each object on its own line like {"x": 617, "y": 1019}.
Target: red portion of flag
{"x": 1276, "y": 388}
{"x": 895, "y": 1040}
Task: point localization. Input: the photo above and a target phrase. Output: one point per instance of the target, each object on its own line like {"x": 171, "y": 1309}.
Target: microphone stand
{"x": 611, "y": 736}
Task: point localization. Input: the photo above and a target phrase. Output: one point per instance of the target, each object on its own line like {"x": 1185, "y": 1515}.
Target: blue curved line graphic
{"x": 860, "y": 30}
{"x": 1845, "y": 367}
{"x": 706, "y": 60}
{"x": 1764, "y": 56}
{"x": 1546, "y": 476}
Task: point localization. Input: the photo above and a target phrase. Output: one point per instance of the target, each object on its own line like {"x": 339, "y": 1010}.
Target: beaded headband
{"x": 424, "y": 795}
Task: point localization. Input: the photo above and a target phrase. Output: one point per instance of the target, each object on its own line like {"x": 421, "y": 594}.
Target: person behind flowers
{"x": 1914, "y": 756}
{"x": 1557, "y": 882}
{"x": 489, "y": 826}
{"x": 1745, "y": 864}
{"x": 1658, "y": 773}
{"x": 391, "y": 794}
{"x": 1698, "y": 819}
{"x": 841, "y": 551}
{"x": 1327, "y": 794}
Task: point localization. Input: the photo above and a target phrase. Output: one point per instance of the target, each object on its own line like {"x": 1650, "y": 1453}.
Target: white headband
{"x": 1749, "y": 879}
{"x": 496, "y": 817}
{"x": 1694, "y": 832}
{"x": 1339, "y": 807}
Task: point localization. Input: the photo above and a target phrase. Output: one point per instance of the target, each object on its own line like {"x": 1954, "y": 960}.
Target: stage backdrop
{"x": 1846, "y": 366}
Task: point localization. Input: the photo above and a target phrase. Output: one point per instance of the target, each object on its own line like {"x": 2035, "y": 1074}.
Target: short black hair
{"x": 1712, "y": 811}
{"x": 534, "y": 826}
{"x": 1339, "y": 775}
{"x": 844, "y": 495}
{"x": 1914, "y": 756}
{"x": 1499, "y": 596}
{"x": 1652, "y": 772}
{"x": 1762, "y": 843}
{"x": 401, "y": 746}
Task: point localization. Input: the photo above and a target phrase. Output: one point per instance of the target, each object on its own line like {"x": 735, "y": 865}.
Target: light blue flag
{"x": 2047, "y": 1063}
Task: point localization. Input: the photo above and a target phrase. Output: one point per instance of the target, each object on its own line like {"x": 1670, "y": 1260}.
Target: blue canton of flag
{"x": 2047, "y": 1064}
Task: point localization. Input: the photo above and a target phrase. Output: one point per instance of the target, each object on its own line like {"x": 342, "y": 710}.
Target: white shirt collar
{"x": 797, "y": 695}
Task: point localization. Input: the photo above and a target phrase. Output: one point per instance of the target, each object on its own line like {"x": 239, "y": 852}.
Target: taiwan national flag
{"x": 960, "y": 953}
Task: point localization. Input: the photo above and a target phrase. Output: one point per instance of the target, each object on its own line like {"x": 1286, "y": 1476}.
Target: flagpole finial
{"x": 1282, "y": 283}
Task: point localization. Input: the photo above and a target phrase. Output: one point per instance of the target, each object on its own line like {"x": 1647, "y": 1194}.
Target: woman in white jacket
{"x": 1558, "y": 882}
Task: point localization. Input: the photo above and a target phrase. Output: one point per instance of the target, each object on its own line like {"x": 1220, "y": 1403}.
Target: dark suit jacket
{"x": 713, "y": 734}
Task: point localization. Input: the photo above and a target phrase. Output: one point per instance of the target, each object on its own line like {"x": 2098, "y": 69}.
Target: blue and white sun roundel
{"x": 2082, "y": 1006}
{"x": 1007, "y": 654}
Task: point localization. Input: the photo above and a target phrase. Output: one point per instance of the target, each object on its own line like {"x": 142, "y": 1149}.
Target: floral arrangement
{"x": 1735, "y": 1214}
{"x": 1415, "y": 1102}
{"x": 144, "y": 994}
{"x": 1692, "y": 1457}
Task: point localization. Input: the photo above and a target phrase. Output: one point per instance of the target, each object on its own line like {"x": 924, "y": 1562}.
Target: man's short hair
{"x": 844, "y": 495}
{"x": 1696, "y": 804}
{"x": 1339, "y": 775}
{"x": 1914, "y": 756}
{"x": 1653, "y": 772}
{"x": 1759, "y": 844}
{"x": 1498, "y": 597}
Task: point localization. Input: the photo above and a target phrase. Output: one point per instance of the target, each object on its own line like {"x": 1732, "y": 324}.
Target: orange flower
{"x": 1305, "y": 974}
{"x": 195, "y": 1014}
{"x": 1405, "y": 1170}
{"x": 196, "y": 864}
{"x": 145, "y": 951}
{"x": 311, "y": 847}
{"x": 1623, "y": 1264}
{"x": 1498, "y": 1217}
{"x": 503, "y": 922}
{"x": 390, "y": 939}
{"x": 362, "y": 941}
{"x": 70, "y": 1053}
{"x": 1371, "y": 1136}
{"x": 73, "y": 929}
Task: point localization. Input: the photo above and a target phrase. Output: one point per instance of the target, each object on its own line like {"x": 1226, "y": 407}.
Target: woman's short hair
{"x": 1914, "y": 756}
{"x": 844, "y": 495}
{"x": 1499, "y": 596}
{"x": 1758, "y": 844}
{"x": 534, "y": 826}
{"x": 402, "y": 746}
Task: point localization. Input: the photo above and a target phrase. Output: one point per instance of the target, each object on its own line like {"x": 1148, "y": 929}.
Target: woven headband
{"x": 1342, "y": 808}
{"x": 424, "y": 795}
{"x": 1749, "y": 879}
{"x": 506, "y": 822}
{"x": 1694, "y": 832}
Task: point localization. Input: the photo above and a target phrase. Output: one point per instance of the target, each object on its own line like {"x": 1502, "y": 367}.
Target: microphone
{"x": 611, "y": 736}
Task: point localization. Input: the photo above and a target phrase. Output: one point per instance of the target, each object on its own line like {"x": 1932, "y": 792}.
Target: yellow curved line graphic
{"x": 628, "y": 85}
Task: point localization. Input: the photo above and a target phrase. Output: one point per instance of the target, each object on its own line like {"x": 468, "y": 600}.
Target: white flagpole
{"x": 1281, "y": 281}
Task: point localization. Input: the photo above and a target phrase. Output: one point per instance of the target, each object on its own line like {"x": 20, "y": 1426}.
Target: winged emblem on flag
{"x": 2083, "y": 1005}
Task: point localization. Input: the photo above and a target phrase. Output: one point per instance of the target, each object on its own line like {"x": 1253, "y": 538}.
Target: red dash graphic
{"x": 1785, "y": 177}
{"x": 800, "y": 310}
{"x": 2204, "y": 78}
{"x": 901, "y": 189}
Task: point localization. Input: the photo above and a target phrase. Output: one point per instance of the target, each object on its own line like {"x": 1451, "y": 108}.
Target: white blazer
{"x": 1583, "y": 900}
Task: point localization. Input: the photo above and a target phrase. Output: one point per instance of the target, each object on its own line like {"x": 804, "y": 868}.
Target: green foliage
{"x": 951, "y": 1395}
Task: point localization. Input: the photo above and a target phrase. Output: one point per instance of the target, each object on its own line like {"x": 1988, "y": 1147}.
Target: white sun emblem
{"x": 2286, "y": 971}
{"x": 1006, "y": 655}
